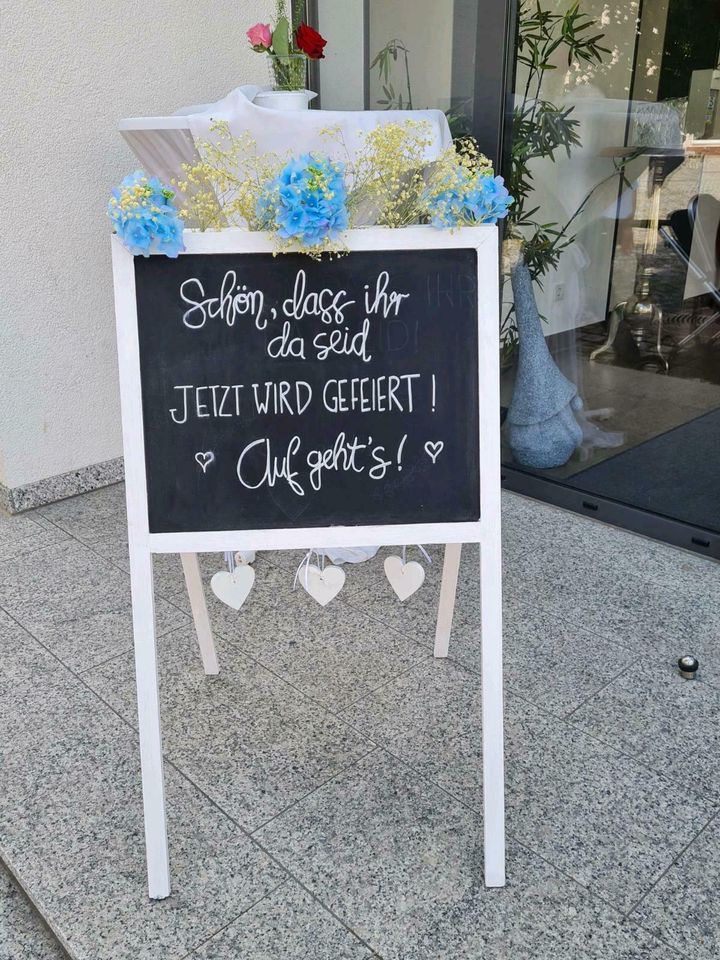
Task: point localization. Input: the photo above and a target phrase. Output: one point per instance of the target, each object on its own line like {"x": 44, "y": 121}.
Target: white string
{"x": 230, "y": 560}
{"x": 404, "y": 555}
{"x": 306, "y": 563}
{"x": 424, "y": 552}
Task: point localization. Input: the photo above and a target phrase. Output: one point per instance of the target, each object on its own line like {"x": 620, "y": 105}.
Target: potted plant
{"x": 288, "y": 45}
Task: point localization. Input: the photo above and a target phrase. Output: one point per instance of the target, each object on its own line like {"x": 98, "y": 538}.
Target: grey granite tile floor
{"x": 23, "y": 935}
{"x": 324, "y": 789}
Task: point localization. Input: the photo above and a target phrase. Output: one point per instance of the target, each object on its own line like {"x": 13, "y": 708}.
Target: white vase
{"x": 284, "y": 99}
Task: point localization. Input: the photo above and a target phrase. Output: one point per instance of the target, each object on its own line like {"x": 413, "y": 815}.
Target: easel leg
{"x": 196, "y": 593}
{"x": 492, "y": 709}
{"x": 448, "y": 589}
{"x": 141, "y": 576}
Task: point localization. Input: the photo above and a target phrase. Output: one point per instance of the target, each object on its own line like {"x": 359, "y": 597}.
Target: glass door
{"x": 615, "y": 407}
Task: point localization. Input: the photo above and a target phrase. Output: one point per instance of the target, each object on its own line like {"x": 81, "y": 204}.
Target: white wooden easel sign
{"x": 280, "y": 402}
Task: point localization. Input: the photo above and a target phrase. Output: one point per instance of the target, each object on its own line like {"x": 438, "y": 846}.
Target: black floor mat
{"x": 676, "y": 474}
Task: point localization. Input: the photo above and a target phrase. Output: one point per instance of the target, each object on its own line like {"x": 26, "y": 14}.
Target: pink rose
{"x": 260, "y": 37}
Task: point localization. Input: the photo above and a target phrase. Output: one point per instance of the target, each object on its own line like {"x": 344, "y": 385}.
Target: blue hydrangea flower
{"x": 145, "y": 219}
{"x": 307, "y": 201}
{"x": 468, "y": 198}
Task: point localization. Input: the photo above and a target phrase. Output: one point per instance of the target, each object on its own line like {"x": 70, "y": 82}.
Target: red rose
{"x": 310, "y": 42}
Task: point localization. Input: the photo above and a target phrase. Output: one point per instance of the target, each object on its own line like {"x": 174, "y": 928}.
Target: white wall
{"x": 68, "y": 72}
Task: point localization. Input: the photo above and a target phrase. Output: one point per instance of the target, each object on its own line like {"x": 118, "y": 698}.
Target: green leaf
{"x": 281, "y": 38}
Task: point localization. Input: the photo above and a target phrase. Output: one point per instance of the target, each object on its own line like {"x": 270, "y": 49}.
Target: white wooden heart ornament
{"x": 404, "y": 578}
{"x": 322, "y": 585}
{"x": 233, "y": 588}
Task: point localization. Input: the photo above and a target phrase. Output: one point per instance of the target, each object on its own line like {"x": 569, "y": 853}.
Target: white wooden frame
{"x": 486, "y": 531}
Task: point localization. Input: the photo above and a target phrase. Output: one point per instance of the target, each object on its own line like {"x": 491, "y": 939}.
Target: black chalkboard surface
{"x": 285, "y": 392}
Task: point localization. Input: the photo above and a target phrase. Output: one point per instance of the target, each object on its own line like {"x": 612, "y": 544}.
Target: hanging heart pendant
{"x": 404, "y": 578}
{"x": 233, "y": 588}
{"x": 322, "y": 585}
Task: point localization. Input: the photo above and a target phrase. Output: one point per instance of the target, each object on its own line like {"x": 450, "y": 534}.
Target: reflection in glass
{"x": 404, "y": 55}
{"x": 626, "y": 275}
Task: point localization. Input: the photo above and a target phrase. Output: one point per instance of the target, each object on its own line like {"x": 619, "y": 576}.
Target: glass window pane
{"x": 408, "y": 54}
{"x": 613, "y": 385}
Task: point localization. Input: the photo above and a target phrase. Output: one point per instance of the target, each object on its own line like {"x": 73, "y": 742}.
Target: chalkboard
{"x": 286, "y": 392}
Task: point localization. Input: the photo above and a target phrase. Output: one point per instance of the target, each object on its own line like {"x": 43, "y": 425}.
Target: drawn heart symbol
{"x": 433, "y": 450}
{"x": 205, "y": 459}
{"x": 322, "y": 585}
{"x": 404, "y": 578}
{"x": 233, "y": 588}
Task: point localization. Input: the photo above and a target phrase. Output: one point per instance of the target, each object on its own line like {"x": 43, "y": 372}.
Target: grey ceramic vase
{"x": 541, "y": 426}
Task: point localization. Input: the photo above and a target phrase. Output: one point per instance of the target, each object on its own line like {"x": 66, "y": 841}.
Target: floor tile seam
{"x": 159, "y": 632}
{"x": 311, "y": 700}
{"x": 194, "y": 950}
{"x": 172, "y": 601}
{"x": 178, "y": 626}
{"x": 258, "y": 661}
{"x": 117, "y": 566}
{"x": 570, "y": 715}
{"x": 7, "y": 558}
{"x": 715, "y": 802}
{"x": 526, "y": 604}
{"x": 345, "y": 768}
{"x": 421, "y": 661}
{"x": 73, "y": 673}
{"x": 333, "y": 710}
{"x": 59, "y": 526}
{"x": 94, "y": 692}
{"x": 592, "y": 894}
{"x": 378, "y": 747}
{"x": 36, "y": 903}
{"x": 614, "y": 639}
{"x": 388, "y": 626}
{"x": 674, "y": 779}
{"x": 669, "y": 867}
{"x": 123, "y": 654}
{"x": 289, "y": 873}
{"x": 275, "y": 859}
{"x": 352, "y": 601}
{"x": 90, "y": 546}
{"x": 658, "y": 646}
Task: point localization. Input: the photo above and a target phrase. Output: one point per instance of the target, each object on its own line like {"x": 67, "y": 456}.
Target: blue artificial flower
{"x": 307, "y": 201}
{"x": 144, "y": 217}
{"x": 494, "y": 199}
{"x": 468, "y": 198}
